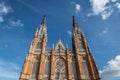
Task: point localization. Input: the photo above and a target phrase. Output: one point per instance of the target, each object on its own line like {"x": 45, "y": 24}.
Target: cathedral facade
{"x": 59, "y": 63}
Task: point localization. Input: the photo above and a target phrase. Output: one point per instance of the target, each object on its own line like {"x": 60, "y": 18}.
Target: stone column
{"x": 68, "y": 65}
{"x": 41, "y": 68}
{"x": 52, "y": 66}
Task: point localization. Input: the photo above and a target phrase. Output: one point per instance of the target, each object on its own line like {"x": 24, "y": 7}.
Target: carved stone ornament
{"x": 60, "y": 70}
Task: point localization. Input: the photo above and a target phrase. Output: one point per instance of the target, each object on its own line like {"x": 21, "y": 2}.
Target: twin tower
{"x": 60, "y": 63}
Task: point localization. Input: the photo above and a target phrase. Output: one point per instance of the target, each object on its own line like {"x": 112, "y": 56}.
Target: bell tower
{"x": 40, "y": 39}
{"x": 31, "y": 68}
{"x": 77, "y": 37}
{"x": 86, "y": 65}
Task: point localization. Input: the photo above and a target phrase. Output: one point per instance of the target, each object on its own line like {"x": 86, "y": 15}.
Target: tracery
{"x": 60, "y": 70}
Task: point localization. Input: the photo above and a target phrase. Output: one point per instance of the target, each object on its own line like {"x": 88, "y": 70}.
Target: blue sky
{"x": 98, "y": 19}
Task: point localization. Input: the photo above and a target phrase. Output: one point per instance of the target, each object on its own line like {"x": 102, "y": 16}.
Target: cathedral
{"x": 59, "y": 63}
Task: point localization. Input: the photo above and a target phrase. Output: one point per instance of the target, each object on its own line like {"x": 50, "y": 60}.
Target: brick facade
{"x": 59, "y": 63}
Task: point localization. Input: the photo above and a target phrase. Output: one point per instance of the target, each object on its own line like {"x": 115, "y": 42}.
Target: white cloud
{"x": 77, "y": 7}
{"x": 69, "y": 33}
{"x": 117, "y": 5}
{"x": 106, "y": 14}
{"x": 112, "y": 69}
{"x": 8, "y": 70}
{"x": 113, "y": 0}
{"x": 105, "y": 31}
{"x": 15, "y": 23}
{"x": 101, "y": 7}
{"x": 98, "y": 6}
{"x": 12, "y": 24}
{"x": 104, "y": 8}
{"x": 4, "y": 10}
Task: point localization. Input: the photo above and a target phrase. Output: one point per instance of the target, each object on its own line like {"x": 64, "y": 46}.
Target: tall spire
{"x": 74, "y": 22}
{"x": 76, "y": 29}
{"x": 42, "y": 30}
{"x": 44, "y": 21}
{"x": 77, "y": 40}
{"x": 41, "y": 36}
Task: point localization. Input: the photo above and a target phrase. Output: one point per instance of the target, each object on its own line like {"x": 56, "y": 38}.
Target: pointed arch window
{"x": 74, "y": 72}
{"x": 85, "y": 69}
{"x": 34, "y": 70}
{"x": 39, "y": 45}
{"x": 60, "y": 70}
{"x": 47, "y": 70}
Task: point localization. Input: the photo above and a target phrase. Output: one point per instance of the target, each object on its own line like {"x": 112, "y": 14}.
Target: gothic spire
{"x": 66, "y": 46}
{"x": 74, "y": 22}
{"x": 52, "y": 46}
{"x": 44, "y": 21}
{"x": 42, "y": 29}
{"x": 77, "y": 39}
{"x": 76, "y": 29}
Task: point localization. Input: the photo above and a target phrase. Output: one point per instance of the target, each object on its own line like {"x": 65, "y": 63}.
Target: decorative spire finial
{"x": 74, "y": 21}
{"x": 36, "y": 33}
{"x": 53, "y": 45}
{"x": 59, "y": 39}
{"x": 66, "y": 46}
{"x": 44, "y": 21}
{"x": 42, "y": 29}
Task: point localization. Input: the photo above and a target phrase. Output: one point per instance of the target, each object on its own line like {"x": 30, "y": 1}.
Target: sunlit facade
{"x": 59, "y": 63}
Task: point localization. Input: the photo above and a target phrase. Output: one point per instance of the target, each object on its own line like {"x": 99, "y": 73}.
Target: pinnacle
{"x": 44, "y": 21}
{"x": 59, "y": 43}
{"x": 74, "y": 21}
{"x": 41, "y": 30}
{"x": 76, "y": 28}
